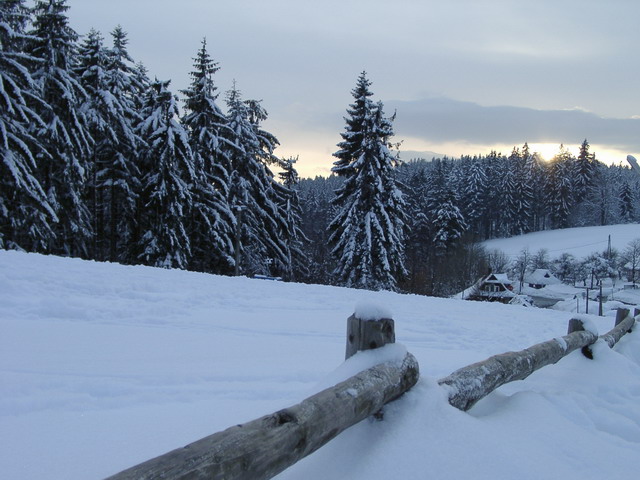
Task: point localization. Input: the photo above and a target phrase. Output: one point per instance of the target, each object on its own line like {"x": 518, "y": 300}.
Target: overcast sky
{"x": 464, "y": 76}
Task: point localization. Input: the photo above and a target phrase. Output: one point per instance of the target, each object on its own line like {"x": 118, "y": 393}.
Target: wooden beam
{"x": 264, "y": 447}
{"x": 470, "y": 384}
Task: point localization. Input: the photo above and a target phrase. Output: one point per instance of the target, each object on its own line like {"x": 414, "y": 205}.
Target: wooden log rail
{"x": 469, "y": 384}
{"x": 262, "y": 448}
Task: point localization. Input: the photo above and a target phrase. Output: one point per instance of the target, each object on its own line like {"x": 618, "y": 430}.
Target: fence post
{"x": 576, "y": 325}
{"x": 621, "y": 314}
{"x": 368, "y": 334}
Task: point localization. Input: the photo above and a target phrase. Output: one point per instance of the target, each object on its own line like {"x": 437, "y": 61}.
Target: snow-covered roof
{"x": 541, "y": 276}
{"x": 497, "y": 278}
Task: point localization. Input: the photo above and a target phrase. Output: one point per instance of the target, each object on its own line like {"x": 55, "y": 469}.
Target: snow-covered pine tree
{"x": 353, "y": 134}
{"x": 65, "y": 135}
{"x": 118, "y": 175}
{"x": 252, "y": 196}
{"x": 559, "y": 188}
{"x": 524, "y": 187}
{"x": 367, "y": 235}
{"x": 167, "y": 165}
{"x": 25, "y": 213}
{"x": 113, "y": 179}
{"x": 211, "y": 225}
{"x": 495, "y": 166}
{"x": 294, "y": 237}
{"x": 583, "y": 185}
{"x": 627, "y": 202}
{"x": 90, "y": 69}
{"x": 583, "y": 172}
{"x": 534, "y": 178}
{"x": 475, "y": 196}
{"x": 418, "y": 245}
{"x": 449, "y": 224}
{"x": 518, "y": 194}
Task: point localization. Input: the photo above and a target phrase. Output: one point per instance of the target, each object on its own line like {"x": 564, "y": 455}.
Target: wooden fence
{"x": 469, "y": 384}
{"x": 262, "y": 448}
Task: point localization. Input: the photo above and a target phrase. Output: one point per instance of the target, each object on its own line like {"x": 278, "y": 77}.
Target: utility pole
{"x": 600, "y": 306}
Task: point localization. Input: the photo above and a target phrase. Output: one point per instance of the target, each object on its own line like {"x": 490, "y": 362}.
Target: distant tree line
{"x": 98, "y": 161}
{"x": 453, "y": 204}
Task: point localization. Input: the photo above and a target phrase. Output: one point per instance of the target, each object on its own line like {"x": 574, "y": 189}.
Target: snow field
{"x": 103, "y": 366}
{"x": 579, "y": 242}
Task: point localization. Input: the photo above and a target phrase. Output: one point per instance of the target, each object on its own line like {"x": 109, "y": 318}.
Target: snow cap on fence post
{"x": 371, "y": 326}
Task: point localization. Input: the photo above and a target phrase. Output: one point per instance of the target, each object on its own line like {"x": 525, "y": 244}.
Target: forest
{"x": 100, "y": 162}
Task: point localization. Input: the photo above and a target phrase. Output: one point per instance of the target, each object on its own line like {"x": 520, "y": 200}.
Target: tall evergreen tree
{"x": 627, "y": 202}
{"x": 449, "y": 224}
{"x": 118, "y": 174}
{"x": 294, "y": 237}
{"x": 260, "y": 248}
{"x": 65, "y": 136}
{"x": 167, "y": 164}
{"x": 367, "y": 235}
{"x": 25, "y": 214}
{"x": 90, "y": 69}
{"x": 559, "y": 189}
{"x": 475, "y": 196}
{"x": 211, "y": 226}
{"x": 584, "y": 172}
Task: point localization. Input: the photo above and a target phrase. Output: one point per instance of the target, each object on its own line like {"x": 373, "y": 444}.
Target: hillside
{"x": 579, "y": 242}
{"x": 103, "y": 366}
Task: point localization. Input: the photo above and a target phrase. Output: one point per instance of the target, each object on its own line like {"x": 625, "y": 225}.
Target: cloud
{"x": 442, "y": 120}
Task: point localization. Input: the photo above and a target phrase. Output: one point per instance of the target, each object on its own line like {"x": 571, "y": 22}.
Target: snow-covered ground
{"x": 579, "y": 242}
{"x": 103, "y": 366}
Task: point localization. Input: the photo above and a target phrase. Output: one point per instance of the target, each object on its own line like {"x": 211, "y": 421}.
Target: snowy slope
{"x": 103, "y": 366}
{"x": 579, "y": 242}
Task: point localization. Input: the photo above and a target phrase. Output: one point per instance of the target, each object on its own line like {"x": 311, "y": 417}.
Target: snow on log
{"x": 264, "y": 447}
{"x": 474, "y": 382}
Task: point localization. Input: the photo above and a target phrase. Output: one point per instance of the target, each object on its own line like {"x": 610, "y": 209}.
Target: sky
{"x": 462, "y": 76}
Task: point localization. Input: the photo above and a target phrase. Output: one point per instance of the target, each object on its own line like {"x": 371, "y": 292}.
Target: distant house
{"x": 495, "y": 287}
{"x": 545, "y": 289}
{"x": 541, "y": 278}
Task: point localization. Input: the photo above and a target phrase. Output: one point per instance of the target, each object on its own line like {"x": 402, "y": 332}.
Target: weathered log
{"x": 623, "y": 326}
{"x": 368, "y": 334}
{"x": 474, "y": 382}
{"x": 264, "y": 447}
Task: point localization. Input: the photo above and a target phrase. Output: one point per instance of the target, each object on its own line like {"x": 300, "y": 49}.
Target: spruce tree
{"x": 259, "y": 245}
{"x": 118, "y": 176}
{"x": 211, "y": 224}
{"x": 627, "y": 209}
{"x": 65, "y": 135}
{"x": 584, "y": 172}
{"x": 294, "y": 237}
{"x": 475, "y": 196}
{"x": 559, "y": 189}
{"x": 167, "y": 165}
{"x": 367, "y": 234}
{"x": 25, "y": 213}
{"x": 449, "y": 224}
